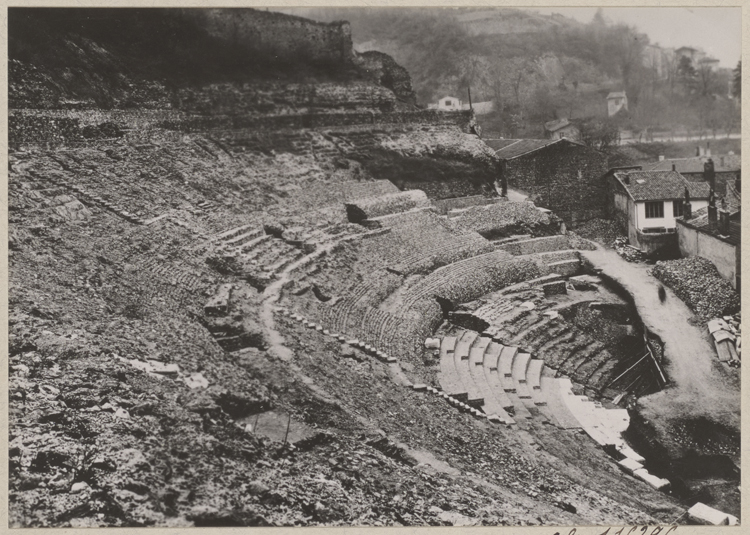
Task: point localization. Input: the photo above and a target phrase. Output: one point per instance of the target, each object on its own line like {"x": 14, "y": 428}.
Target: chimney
{"x": 711, "y": 210}
{"x": 712, "y": 216}
{"x": 661, "y": 157}
{"x": 687, "y": 210}
{"x": 708, "y": 173}
{"x": 697, "y": 150}
{"x": 674, "y": 167}
{"x": 708, "y": 149}
{"x": 724, "y": 222}
{"x": 626, "y": 178}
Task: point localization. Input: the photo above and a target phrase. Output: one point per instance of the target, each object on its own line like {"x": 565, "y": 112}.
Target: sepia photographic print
{"x": 374, "y": 266}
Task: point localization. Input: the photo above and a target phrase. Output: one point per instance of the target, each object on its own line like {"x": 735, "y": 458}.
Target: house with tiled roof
{"x": 646, "y": 203}
{"x": 697, "y": 169}
{"x": 616, "y": 101}
{"x": 558, "y": 174}
{"x": 562, "y": 128}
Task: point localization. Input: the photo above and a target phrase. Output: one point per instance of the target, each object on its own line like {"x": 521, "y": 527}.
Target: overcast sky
{"x": 717, "y": 30}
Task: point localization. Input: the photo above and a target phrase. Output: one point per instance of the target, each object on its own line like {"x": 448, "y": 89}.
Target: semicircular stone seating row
{"x": 510, "y": 386}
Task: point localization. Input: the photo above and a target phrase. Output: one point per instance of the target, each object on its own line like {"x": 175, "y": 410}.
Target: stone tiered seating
{"x": 461, "y": 360}
{"x": 421, "y": 241}
{"x": 448, "y": 378}
{"x": 490, "y": 365}
{"x": 492, "y": 405}
{"x": 551, "y": 390}
{"x": 534, "y": 380}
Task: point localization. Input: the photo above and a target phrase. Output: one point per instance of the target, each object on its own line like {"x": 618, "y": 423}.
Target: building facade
{"x": 647, "y": 203}
{"x": 562, "y": 128}
{"x": 616, "y": 101}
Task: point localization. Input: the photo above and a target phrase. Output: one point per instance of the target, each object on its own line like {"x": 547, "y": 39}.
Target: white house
{"x": 449, "y": 104}
{"x": 648, "y": 202}
{"x": 616, "y": 101}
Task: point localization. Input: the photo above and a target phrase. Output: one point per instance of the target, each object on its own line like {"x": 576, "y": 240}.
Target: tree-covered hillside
{"x": 537, "y": 68}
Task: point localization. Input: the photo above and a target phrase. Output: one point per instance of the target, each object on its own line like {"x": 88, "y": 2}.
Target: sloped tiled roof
{"x": 732, "y": 162}
{"x": 660, "y": 186}
{"x": 557, "y": 124}
{"x": 525, "y": 146}
{"x": 496, "y": 144}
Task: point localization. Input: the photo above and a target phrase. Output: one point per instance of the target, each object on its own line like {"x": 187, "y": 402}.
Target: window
{"x": 677, "y": 208}
{"x": 654, "y": 210}
{"x": 447, "y": 102}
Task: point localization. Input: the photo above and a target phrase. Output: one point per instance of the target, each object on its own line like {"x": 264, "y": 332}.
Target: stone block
{"x": 554, "y": 288}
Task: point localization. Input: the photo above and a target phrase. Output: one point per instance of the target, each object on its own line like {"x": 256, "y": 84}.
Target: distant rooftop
{"x": 660, "y": 185}
{"x": 553, "y": 126}
{"x": 616, "y": 94}
{"x": 519, "y": 147}
{"x": 722, "y": 164}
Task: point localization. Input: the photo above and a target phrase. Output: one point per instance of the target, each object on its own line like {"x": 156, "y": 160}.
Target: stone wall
{"x": 386, "y": 72}
{"x": 286, "y": 38}
{"x": 564, "y": 178}
{"x": 723, "y": 255}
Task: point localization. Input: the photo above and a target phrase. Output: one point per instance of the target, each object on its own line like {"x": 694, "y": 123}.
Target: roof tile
{"x": 661, "y": 186}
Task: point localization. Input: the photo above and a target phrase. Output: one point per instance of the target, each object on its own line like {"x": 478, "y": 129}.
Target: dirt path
{"x": 699, "y": 384}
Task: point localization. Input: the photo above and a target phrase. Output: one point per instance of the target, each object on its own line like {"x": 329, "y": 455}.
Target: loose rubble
{"x": 696, "y": 281}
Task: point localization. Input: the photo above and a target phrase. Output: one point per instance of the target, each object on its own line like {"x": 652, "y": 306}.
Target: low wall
{"x": 653, "y": 243}
{"x": 537, "y": 245}
{"x": 721, "y": 254}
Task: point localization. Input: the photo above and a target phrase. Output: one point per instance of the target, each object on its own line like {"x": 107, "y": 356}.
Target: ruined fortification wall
{"x": 285, "y": 38}
{"x": 385, "y": 71}
{"x": 567, "y": 179}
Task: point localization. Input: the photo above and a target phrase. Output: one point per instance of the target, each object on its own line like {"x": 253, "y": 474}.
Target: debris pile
{"x": 627, "y": 251}
{"x": 697, "y": 282}
{"x": 601, "y": 231}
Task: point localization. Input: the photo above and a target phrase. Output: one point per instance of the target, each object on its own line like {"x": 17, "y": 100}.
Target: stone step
{"x": 551, "y": 391}
{"x": 476, "y": 366}
{"x": 534, "y": 374}
{"x": 448, "y": 377}
{"x": 461, "y": 360}
{"x": 490, "y": 364}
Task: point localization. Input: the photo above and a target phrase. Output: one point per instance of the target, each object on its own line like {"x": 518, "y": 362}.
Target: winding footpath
{"x": 700, "y": 386}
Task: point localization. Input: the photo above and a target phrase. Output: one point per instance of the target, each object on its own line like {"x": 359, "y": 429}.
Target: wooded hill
{"x": 537, "y": 68}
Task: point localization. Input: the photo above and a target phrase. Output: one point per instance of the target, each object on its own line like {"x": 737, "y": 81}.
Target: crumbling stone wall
{"x": 286, "y": 38}
{"x": 386, "y": 72}
{"x": 565, "y": 178}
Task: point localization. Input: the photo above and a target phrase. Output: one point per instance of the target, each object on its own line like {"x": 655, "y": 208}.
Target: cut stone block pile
{"x": 696, "y": 281}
